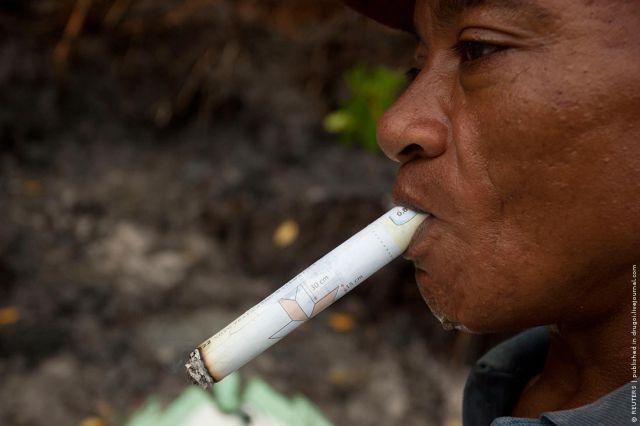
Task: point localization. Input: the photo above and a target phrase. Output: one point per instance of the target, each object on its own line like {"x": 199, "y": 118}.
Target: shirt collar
{"x": 498, "y": 378}
{"x": 612, "y": 409}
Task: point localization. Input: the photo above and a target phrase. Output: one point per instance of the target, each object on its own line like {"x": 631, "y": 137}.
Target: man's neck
{"x": 583, "y": 364}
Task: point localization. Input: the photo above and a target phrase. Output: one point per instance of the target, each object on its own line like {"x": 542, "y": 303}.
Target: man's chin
{"x": 449, "y": 324}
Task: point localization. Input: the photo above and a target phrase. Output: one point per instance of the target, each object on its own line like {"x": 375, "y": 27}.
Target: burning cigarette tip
{"x": 197, "y": 371}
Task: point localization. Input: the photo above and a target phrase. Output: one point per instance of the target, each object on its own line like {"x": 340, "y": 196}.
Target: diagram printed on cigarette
{"x": 320, "y": 285}
{"x": 307, "y": 303}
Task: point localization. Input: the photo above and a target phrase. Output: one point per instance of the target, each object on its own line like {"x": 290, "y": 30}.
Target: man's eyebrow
{"x": 447, "y": 10}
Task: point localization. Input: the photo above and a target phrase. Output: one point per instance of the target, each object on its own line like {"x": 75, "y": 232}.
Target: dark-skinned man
{"x": 520, "y": 133}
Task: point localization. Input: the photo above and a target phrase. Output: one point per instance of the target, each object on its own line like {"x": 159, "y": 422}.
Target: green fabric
{"x": 227, "y": 405}
{"x": 175, "y": 414}
{"x": 227, "y": 393}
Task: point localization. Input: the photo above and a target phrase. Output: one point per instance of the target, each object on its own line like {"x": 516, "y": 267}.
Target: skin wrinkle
{"x": 534, "y": 184}
{"x": 495, "y": 237}
{"x": 514, "y": 79}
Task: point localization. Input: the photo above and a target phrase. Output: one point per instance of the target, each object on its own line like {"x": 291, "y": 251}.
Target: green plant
{"x": 372, "y": 91}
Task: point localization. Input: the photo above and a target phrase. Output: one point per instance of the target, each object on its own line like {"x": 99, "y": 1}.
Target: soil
{"x": 146, "y": 161}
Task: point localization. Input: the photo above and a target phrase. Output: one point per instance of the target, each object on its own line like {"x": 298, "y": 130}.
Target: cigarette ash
{"x": 197, "y": 371}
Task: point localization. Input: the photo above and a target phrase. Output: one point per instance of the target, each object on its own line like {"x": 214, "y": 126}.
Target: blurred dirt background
{"x": 150, "y": 152}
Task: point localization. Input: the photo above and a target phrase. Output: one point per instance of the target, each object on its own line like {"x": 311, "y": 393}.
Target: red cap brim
{"x": 395, "y": 14}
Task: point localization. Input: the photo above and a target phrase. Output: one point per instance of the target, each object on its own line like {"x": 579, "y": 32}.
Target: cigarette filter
{"x": 306, "y": 295}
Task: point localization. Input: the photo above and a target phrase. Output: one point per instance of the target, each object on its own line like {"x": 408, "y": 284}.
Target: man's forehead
{"x": 447, "y": 8}
{"x": 444, "y": 11}
{"x": 402, "y": 14}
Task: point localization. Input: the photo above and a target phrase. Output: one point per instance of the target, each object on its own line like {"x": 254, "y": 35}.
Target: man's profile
{"x": 520, "y": 134}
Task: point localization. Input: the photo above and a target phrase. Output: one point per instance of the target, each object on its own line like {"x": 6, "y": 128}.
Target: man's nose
{"x": 415, "y": 125}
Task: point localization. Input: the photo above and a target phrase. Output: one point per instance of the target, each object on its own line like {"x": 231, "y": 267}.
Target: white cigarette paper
{"x": 306, "y": 295}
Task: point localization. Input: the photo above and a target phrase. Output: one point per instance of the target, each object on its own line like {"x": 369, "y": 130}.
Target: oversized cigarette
{"x": 306, "y": 295}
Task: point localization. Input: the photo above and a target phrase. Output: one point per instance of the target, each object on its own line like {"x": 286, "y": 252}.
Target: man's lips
{"x": 402, "y": 199}
{"x": 408, "y": 194}
{"x": 417, "y": 246}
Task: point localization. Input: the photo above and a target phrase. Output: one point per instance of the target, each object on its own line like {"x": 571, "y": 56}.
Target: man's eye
{"x": 470, "y": 50}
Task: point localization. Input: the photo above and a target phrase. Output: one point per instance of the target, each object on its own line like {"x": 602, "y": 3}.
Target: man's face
{"x": 521, "y": 135}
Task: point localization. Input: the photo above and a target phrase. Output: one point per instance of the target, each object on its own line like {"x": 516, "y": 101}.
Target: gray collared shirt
{"x": 496, "y": 381}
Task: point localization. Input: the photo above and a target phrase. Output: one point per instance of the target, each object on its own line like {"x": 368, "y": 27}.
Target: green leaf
{"x": 372, "y": 91}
